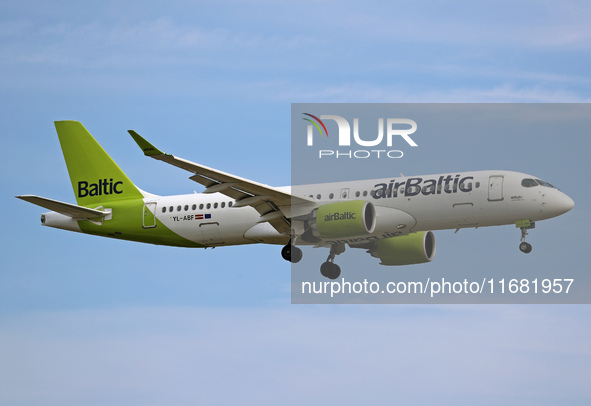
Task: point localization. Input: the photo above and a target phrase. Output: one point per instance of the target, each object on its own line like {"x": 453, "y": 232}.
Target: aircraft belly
{"x": 218, "y": 229}
{"x": 265, "y": 233}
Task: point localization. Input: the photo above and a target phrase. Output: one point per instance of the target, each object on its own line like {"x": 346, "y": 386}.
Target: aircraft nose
{"x": 563, "y": 203}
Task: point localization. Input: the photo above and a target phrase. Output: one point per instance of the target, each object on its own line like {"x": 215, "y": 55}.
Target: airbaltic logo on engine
{"x": 391, "y": 126}
{"x": 340, "y": 216}
{"x": 102, "y": 187}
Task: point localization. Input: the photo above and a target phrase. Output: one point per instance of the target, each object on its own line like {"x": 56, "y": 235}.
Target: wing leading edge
{"x": 266, "y": 200}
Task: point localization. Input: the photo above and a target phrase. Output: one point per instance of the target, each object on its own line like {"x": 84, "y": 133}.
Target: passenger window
{"x": 209, "y": 205}
{"x": 215, "y": 205}
{"x": 201, "y": 206}
{"x": 230, "y": 204}
{"x": 365, "y": 193}
{"x": 164, "y": 210}
{"x": 318, "y": 196}
{"x": 178, "y": 208}
{"x": 194, "y": 207}
{"x": 171, "y": 209}
{"x": 357, "y": 194}
{"x": 223, "y": 204}
{"x": 477, "y": 185}
{"x": 330, "y": 196}
{"x": 186, "y": 207}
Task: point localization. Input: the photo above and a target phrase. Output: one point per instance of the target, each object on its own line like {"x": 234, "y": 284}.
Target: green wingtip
{"x": 149, "y": 149}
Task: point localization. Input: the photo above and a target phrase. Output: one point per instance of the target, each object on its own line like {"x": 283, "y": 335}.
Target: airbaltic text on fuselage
{"x": 415, "y": 186}
{"x": 102, "y": 187}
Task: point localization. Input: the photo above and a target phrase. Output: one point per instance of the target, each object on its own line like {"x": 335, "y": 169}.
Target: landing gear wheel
{"x": 286, "y": 252}
{"x": 296, "y": 255}
{"x": 525, "y": 225}
{"x": 292, "y": 254}
{"x": 525, "y": 247}
{"x": 330, "y": 270}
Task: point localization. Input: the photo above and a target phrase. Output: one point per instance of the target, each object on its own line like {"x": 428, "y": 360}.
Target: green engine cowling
{"x": 344, "y": 219}
{"x": 415, "y": 248}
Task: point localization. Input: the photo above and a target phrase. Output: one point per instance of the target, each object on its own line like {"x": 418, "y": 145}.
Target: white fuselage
{"x": 403, "y": 205}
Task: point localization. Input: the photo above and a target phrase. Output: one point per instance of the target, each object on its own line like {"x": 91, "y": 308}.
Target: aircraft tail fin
{"x": 95, "y": 177}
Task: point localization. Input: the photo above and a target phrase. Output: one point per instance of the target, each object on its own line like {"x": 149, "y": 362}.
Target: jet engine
{"x": 414, "y": 248}
{"x": 343, "y": 219}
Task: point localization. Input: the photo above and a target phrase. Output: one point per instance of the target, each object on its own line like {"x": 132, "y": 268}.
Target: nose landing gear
{"x": 525, "y": 225}
{"x": 525, "y": 247}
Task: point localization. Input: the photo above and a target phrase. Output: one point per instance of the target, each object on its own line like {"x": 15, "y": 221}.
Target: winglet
{"x": 149, "y": 149}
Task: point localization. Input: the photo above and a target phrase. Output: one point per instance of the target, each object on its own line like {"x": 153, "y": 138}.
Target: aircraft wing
{"x": 67, "y": 209}
{"x": 267, "y": 200}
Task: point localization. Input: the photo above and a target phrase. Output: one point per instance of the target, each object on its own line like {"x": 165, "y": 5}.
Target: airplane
{"x": 392, "y": 218}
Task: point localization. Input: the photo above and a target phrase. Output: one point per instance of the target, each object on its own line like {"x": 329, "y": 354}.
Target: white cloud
{"x": 488, "y": 24}
{"x": 370, "y": 92}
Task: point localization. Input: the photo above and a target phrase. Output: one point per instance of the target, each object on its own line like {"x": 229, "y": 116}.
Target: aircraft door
{"x": 495, "y": 188}
{"x": 210, "y": 233}
{"x": 149, "y": 215}
{"x": 465, "y": 214}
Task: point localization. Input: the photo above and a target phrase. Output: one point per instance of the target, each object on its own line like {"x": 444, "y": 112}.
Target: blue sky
{"x": 94, "y": 321}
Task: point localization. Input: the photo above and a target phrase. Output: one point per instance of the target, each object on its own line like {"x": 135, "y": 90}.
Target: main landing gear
{"x": 329, "y": 269}
{"x": 292, "y": 253}
{"x": 525, "y": 225}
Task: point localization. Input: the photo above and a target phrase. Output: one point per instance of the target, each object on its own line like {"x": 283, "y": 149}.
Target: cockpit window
{"x": 541, "y": 182}
{"x": 535, "y": 182}
{"x": 529, "y": 183}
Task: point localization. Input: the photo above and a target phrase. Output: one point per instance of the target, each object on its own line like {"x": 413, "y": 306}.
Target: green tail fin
{"x": 95, "y": 177}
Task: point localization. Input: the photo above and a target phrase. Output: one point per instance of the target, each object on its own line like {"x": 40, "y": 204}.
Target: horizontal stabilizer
{"x": 67, "y": 209}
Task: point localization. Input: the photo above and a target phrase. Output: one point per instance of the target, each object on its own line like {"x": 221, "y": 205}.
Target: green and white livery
{"x": 392, "y": 218}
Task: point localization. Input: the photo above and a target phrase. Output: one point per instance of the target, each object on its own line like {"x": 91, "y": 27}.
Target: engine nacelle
{"x": 415, "y": 248}
{"x": 343, "y": 219}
